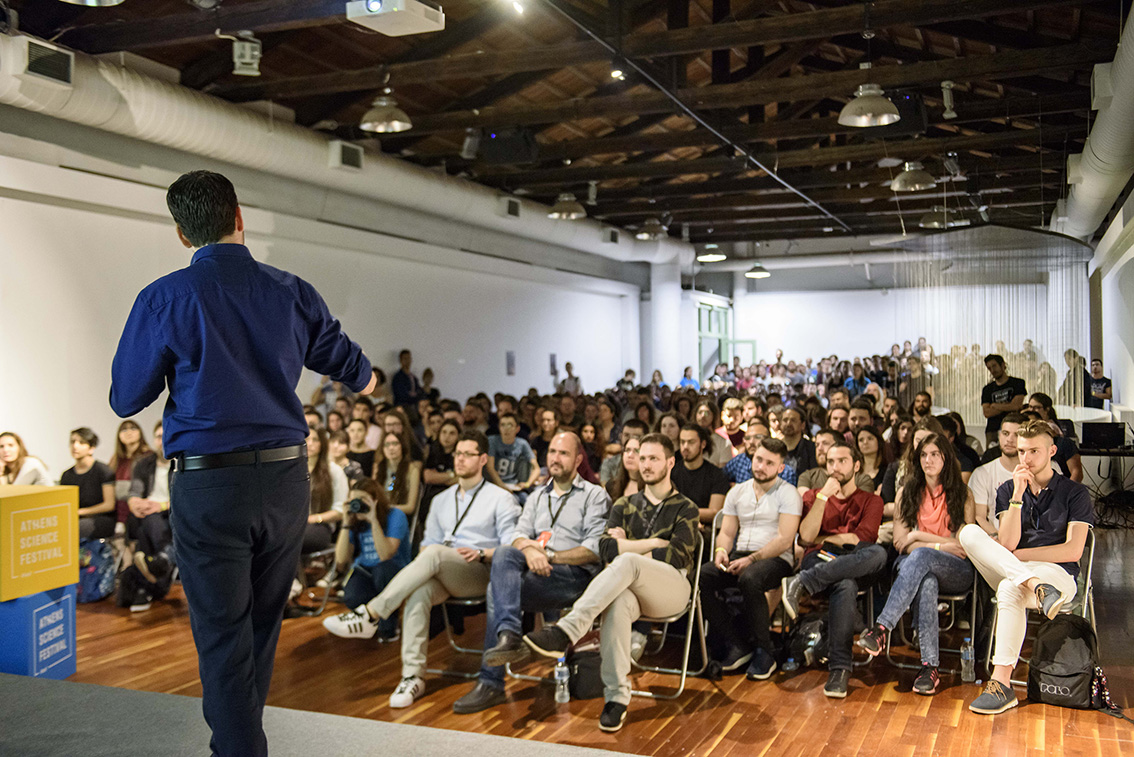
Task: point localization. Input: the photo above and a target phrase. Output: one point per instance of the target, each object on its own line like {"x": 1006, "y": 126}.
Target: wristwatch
{"x": 550, "y": 554}
{"x": 480, "y": 555}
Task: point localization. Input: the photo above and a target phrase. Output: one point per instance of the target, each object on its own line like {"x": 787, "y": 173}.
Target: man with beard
{"x": 648, "y": 549}
{"x": 547, "y": 563}
{"x": 839, "y": 528}
{"x": 753, "y": 553}
{"x": 696, "y": 477}
{"x": 800, "y": 453}
{"x": 1004, "y": 394}
{"x": 922, "y": 406}
{"x": 817, "y": 476}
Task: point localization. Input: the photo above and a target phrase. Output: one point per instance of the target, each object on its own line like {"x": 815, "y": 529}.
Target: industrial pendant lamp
{"x": 94, "y": 3}
{"x": 940, "y": 218}
{"x": 384, "y": 116}
{"x": 567, "y": 208}
{"x": 757, "y": 272}
{"x": 914, "y": 178}
{"x": 651, "y": 230}
{"x": 870, "y": 107}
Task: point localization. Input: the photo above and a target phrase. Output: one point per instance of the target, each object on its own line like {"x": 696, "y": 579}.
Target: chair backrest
{"x": 1086, "y": 565}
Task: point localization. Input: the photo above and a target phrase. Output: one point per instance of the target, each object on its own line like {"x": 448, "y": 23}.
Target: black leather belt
{"x": 250, "y": 457}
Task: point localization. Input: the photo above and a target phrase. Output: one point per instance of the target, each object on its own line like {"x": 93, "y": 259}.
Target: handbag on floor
{"x": 96, "y": 570}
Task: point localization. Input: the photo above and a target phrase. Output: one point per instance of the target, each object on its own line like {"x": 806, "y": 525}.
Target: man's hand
{"x": 1022, "y": 478}
{"x": 616, "y": 533}
{"x": 831, "y": 488}
{"x": 720, "y": 559}
{"x": 738, "y": 565}
{"x": 371, "y": 385}
{"x": 537, "y": 561}
{"x": 470, "y": 554}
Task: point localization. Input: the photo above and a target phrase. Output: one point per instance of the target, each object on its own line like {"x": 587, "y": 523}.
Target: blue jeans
{"x": 844, "y": 576}
{"x": 365, "y": 583}
{"x": 923, "y": 574}
{"x": 514, "y": 589}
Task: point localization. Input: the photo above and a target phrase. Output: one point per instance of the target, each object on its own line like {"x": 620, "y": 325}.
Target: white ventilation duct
{"x": 126, "y": 102}
{"x": 1098, "y": 176}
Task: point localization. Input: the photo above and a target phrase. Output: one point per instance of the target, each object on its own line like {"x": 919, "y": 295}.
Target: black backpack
{"x": 1064, "y": 669}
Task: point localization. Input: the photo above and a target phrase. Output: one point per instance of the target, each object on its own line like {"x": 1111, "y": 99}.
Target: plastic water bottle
{"x": 790, "y": 664}
{"x": 562, "y": 676}
{"x": 968, "y": 666}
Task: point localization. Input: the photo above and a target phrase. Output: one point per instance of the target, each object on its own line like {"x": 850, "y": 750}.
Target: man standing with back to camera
{"x": 230, "y": 336}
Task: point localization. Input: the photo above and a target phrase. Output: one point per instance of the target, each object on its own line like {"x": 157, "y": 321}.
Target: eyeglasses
{"x": 466, "y": 454}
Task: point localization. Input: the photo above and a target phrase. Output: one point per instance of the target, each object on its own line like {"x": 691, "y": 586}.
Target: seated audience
{"x": 933, "y": 506}
{"x": 511, "y": 463}
{"x": 687, "y": 380}
{"x": 897, "y": 470}
{"x": 739, "y": 469}
{"x": 335, "y": 421}
{"x": 627, "y": 479}
{"x": 1066, "y": 450}
{"x": 921, "y": 406}
{"x": 150, "y": 575}
{"x": 707, "y": 415}
{"x": 96, "y": 486}
{"x": 373, "y": 545}
{"x": 593, "y": 447}
{"x": 694, "y": 476}
{"x": 339, "y": 445}
{"x": 360, "y": 450}
{"x": 800, "y": 450}
{"x": 453, "y": 562}
{"x": 398, "y": 474}
{"x": 753, "y": 552}
{"x": 860, "y": 415}
{"x": 817, "y": 476}
{"x": 544, "y": 566}
{"x": 129, "y": 447}
{"x": 966, "y": 456}
{"x": 438, "y": 472}
{"x": 874, "y": 455}
{"x": 647, "y": 551}
{"x": 313, "y": 417}
{"x": 987, "y": 478}
{"x": 329, "y": 487}
{"x": 670, "y": 424}
{"x": 1034, "y": 560}
{"x": 548, "y": 420}
{"x": 632, "y": 429}
{"x": 838, "y": 530}
{"x": 838, "y": 418}
{"x": 363, "y": 410}
{"x": 732, "y": 424}
{"x": 856, "y": 384}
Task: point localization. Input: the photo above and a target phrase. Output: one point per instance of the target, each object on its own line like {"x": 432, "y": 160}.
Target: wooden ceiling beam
{"x": 912, "y": 149}
{"x": 794, "y": 27}
{"x": 791, "y": 89}
{"x": 197, "y": 26}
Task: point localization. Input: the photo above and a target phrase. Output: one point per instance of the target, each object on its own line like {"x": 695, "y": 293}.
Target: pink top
{"x": 933, "y": 517}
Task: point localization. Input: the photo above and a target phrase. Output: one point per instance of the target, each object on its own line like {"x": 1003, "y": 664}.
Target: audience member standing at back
{"x": 406, "y": 387}
{"x": 230, "y": 337}
{"x": 1004, "y": 394}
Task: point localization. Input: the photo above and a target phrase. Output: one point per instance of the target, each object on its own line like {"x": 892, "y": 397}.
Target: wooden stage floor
{"x": 153, "y": 651}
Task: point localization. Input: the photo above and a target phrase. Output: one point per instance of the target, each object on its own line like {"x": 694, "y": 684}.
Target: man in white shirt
{"x": 466, "y": 523}
{"x": 753, "y": 552}
{"x": 986, "y": 479}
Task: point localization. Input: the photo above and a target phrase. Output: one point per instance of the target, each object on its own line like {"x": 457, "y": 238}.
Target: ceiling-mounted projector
{"x": 396, "y": 18}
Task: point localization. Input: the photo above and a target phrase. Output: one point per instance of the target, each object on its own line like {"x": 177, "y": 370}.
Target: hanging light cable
{"x": 384, "y": 116}
{"x": 869, "y": 107}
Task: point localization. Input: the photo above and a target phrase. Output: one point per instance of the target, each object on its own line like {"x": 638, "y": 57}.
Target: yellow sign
{"x": 39, "y": 539}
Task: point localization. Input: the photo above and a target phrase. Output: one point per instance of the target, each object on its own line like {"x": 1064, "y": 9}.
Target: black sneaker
{"x": 873, "y": 640}
{"x": 735, "y": 659}
{"x": 510, "y": 648}
{"x": 996, "y": 699}
{"x": 836, "y": 687}
{"x": 480, "y": 698}
{"x": 793, "y": 588}
{"x": 761, "y": 667}
{"x": 1049, "y": 599}
{"x": 141, "y": 601}
{"x": 612, "y": 717}
{"x": 927, "y": 680}
{"x": 549, "y": 641}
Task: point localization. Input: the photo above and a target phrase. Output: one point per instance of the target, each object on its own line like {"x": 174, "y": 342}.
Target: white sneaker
{"x": 408, "y": 690}
{"x": 637, "y": 645}
{"x": 296, "y": 589}
{"x": 352, "y": 624}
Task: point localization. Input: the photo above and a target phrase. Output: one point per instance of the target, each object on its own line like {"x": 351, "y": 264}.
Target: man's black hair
{"x": 203, "y": 205}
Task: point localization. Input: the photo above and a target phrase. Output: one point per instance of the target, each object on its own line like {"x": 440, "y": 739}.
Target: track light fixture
{"x": 246, "y": 52}
{"x": 384, "y": 116}
{"x": 947, "y": 96}
{"x": 913, "y": 179}
{"x": 567, "y": 208}
{"x": 471, "y": 144}
{"x": 592, "y": 193}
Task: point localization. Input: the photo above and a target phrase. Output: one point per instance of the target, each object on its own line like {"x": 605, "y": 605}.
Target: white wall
{"x": 70, "y": 269}
{"x": 867, "y": 322}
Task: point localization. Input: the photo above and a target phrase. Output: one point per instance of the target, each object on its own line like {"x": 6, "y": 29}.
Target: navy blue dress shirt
{"x": 230, "y": 336}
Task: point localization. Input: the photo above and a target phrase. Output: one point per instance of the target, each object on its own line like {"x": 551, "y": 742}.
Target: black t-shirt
{"x": 1065, "y": 449}
{"x": 1099, "y": 385}
{"x": 999, "y": 394}
{"x": 89, "y": 483}
{"x": 802, "y": 458}
{"x": 438, "y": 459}
{"x": 539, "y": 446}
{"x": 365, "y": 461}
{"x": 967, "y": 457}
{"x": 701, "y": 484}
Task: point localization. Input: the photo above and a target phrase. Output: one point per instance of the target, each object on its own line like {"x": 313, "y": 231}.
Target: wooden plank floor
{"x": 153, "y": 651}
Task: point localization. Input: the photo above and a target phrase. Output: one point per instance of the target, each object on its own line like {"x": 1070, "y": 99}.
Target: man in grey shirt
{"x": 553, "y": 555}
{"x": 816, "y": 477}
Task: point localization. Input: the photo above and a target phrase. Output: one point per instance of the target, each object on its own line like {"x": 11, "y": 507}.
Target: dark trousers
{"x": 843, "y": 576}
{"x": 154, "y": 534}
{"x": 513, "y": 589}
{"x": 365, "y": 583}
{"x": 752, "y": 627}
{"x": 237, "y": 532}
{"x": 317, "y": 537}
{"x": 99, "y": 526}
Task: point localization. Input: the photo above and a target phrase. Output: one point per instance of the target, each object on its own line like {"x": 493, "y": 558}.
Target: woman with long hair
{"x": 933, "y": 505}
{"x": 646, "y": 413}
{"x": 683, "y": 406}
{"x": 398, "y": 474}
{"x": 339, "y": 445}
{"x": 329, "y": 487}
{"x": 335, "y": 421}
{"x": 707, "y": 415}
{"x": 129, "y": 447}
{"x": 592, "y": 446}
{"x": 17, "y": 467}
{"x": 628, "y": 480}
{"x": 395, "y": 421}
{"x": 358, "y": 449}
{"x": 608, "y": 431}
{"x": 875, "y": 454}
{"x": 669, "y": 424}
